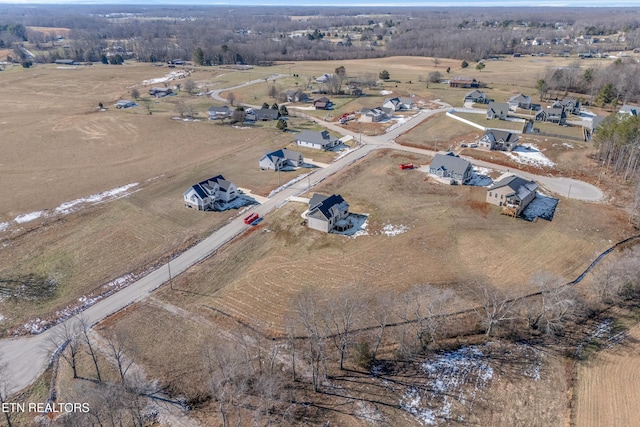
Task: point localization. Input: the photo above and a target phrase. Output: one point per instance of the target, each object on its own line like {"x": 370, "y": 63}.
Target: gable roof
{"x": 284, "y": 153}
{"x": 313, "y": 137}
{"x": 266, "y": 114}
{"x": 450, "y": 162}
{"x": 223, "y": 111}
{"x": 320, "y": 206}
{"x": 519, "y": 187}
{"x": 475, "y": 94}
{"x": 520, "y": 99}
{"x": 629, "y": 109}
{"x": 498, "y": 108}
{"x": 222, "y": 183}
{"x": 501, "y": 135}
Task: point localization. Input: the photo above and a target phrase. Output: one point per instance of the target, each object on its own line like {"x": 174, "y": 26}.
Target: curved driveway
{"x": 27, "y": 357}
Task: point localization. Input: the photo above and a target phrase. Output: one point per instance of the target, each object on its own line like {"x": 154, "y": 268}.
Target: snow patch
{"x": 69, "y": 207}
{"x": 386, "y": 92}
{"x": 289, "y": 184}
{"x": 567, "y": 145}
{"x": 394, "y": 230}
{"x": 21, "y": 219}
{"x": 529, "y": 154}
{"x": 3, "y": 226}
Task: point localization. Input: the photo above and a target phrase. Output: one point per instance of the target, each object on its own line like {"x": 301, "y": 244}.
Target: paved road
{"x": 27, "y": 357}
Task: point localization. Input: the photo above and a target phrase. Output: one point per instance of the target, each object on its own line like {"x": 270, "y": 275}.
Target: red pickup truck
{"x": 251, "y": 218}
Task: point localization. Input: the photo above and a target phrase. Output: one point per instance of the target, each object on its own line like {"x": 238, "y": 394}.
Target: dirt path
{"x": 608, "y": 387}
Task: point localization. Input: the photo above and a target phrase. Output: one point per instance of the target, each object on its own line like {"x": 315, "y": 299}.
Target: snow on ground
{"x": 393, "y": 230}
{"x": 541, "y": 207}
{"x": 480, "y": 177}
{"x": 567, "y": 145}
{"x": 20, "y": 219}
{"x": 386, "y": 92}
{"x": 453, "y": 380}
{"x": 529, "y": 154}
{"x": 3, "y": 226}
{"x": 289, "y": 184}
{"x": 358, "y": 228}
{"x": 168, "y": 77}
{"x": 399, "y": 121}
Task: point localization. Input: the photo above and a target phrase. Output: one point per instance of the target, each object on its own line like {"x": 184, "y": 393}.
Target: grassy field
{"x": 442, "y": 130}
{"x": 482, "y": 120}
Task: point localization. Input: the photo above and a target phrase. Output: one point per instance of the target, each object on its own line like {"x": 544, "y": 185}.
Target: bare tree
{"x": 381, "y": 315}
{"x": 189, "y": 86}
{"x": 495, "y": 307}
{"x": 553, "y": 308}
{"x": 310, "y": 316}
{"x": 118, "y": 345}
{"x": 68, "y": 338}
{"x": 425, "y": 311}
{"x": 341, "y": 316}
{"x": 436, "y": 61}
{"x": 146, "y": 102}
{"x": 85, "y": 330}
{"x": 135, "y": 93}
{"x": 231, "y": 98}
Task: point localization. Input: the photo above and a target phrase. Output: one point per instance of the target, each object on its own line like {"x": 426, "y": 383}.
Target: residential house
{"x": 499, "y": 140}
{"x": 374, "y": 115}
{"x": 463, "y": 81}
{"x": 265, "y": 114}
{"x": 570, "y": 105}
{"x": 220, "y": 113}
{"x": 327, "y": 212}
{"x": 627, "y": 111}
{"x": 296, "y": 96}
{"x": 552, "y": 115}
{"x": 318, "y": 140}
{"x": 323, "y": 104}
{"x": 476, "y": 96}
{"x": 498, "y": 110}
{"x": 399, "y": 104}
{"x": 205, "y": 194}
{"x": 66, "y": 62}
{"x": 160, "y": 92}
{"x": 325, "y": 78}
{"x": 124, "y": 103}
{"x": 451, "y": 167}
{"x": 279, "y": 159}
{"x": 519, "y": 101}
{"x": 512, "y": 192}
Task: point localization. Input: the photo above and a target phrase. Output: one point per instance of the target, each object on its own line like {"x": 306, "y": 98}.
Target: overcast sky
{"x": 352, "y": 3}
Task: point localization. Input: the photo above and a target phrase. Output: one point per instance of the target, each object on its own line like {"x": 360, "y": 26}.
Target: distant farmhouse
{"x": 205, "y": 195}
{"x": 513, "y": 193}
{"x": 328, "y": 212}
{"x": 399, "y": 104}
{"x": 462, "y": 81}
{"x": 279, "y": 159}
{"x": 160, "y": 92}
{"x": 296, "y": 96}
{"x": 476, "y": 96}
{"x": 323, "y": 104}
{"x": 265, "y": 114}
{"x": 220, "y": 113}
{"x": 627, "y": 111}
{"x": 552, "y": 115}
{"x": 125, "y": 104}
{"x": 500, "y": 140}
{"x": 318, "y": 140}
{"x": 498, "y": 110}
{"x": 450, "y": 168}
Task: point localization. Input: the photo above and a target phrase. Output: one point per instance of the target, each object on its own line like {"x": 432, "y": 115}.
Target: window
{"x": 489, "y": 193}
{"x": 501, "y": 196}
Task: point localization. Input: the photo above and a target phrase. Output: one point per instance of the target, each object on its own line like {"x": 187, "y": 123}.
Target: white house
{"x": 318, "y": 140}
{"x": 279, "y": 159}
{"x": 399, "y": 104}
{"x": 327, "y": 212}
{"x": 205, "y": 194}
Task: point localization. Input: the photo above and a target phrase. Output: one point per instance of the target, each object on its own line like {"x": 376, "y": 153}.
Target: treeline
{"x": 252, "y": 35}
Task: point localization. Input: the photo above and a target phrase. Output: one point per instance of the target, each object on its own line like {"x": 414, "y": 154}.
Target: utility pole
{"x": 170, "y": 279}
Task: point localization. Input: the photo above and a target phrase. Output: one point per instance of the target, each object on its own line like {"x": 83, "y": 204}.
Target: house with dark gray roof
{"x": 265, "y": 114}
{"x": 125, "y": 103}
{"x": 318, "y": 140}
{"x": 501, "y": 140}
{"x": 399, "y": 103}
{"x": 327, "y": 212}
{"x": 520, "y": 101}
{"x": 204, "y": 195}
{"x": 552, "y": 115}
{"x": 450, "y": 168}
{"x": 477, "y": 96}
{"x": 374, "y": 115}
{"x": 569, "y": 105}
{"x": 498, "y": 110}
{"x": 220, "y": 113}
{"x": 512, "y": 192}
{"x": 279, "y": 159}
{"x": 294, "y": 95}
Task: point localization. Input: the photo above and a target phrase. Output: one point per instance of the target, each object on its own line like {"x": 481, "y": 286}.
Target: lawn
{"x": 490, "y": 123}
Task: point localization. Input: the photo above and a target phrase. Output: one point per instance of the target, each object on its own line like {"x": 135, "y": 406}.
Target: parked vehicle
{"x": 407, "y": 166}
{"x": 251, "y": 218}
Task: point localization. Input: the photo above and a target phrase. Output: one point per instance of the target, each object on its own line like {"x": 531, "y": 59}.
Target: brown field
{"x": 52, "y": 31}
{"x": 608, "y": 389}
{"x": 442, "y": 130}
{"x": 451, "y": 239}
